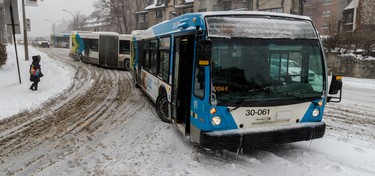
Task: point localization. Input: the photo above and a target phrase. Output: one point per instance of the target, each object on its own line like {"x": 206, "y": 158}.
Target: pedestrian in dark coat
{"x": 35, "y": 72}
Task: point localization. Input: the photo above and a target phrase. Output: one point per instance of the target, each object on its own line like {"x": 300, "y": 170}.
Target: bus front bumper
{"x": 263, "y": 136}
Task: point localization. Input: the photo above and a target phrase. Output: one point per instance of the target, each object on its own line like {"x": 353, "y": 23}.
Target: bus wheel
{"x": 127, "y": 64}
{"x": 80, "y": 57}
{"x": 135, "y": 78}
{"x": 162, "y": 107}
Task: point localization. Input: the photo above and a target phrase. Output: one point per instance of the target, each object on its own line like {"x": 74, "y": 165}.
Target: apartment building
{"x": 358, "y": 14}
{"x": 160, "y": 10}
{"x": 325, "y": 14}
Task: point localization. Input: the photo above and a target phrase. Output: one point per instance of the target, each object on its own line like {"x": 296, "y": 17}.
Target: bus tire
{"x": 127, "y": 64}
{"x": 162, "y": 107}
{"x": 80, "y": 57}
{"x": 136, "y": 81}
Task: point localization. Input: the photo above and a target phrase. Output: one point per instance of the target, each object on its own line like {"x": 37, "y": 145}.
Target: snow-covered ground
{"x": 122, "y": 148}
{"x": 16, "y": 97}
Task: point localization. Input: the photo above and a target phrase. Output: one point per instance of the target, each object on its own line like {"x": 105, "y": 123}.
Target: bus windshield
{"x": 261, "y": 70}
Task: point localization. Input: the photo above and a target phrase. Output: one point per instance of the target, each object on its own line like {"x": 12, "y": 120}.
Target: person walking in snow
{"x": 35, "y": 72}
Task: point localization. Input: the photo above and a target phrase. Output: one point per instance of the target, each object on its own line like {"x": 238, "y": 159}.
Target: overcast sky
{"x": 52, "y": 10}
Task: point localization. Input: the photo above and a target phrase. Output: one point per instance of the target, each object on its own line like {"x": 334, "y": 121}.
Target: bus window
{"x": 199, "y": 82}
{"x": 124, "y": 47}
{"x": 146, "y": 58}
{"x": 94, "y": 45}
{"x": 154, "y": 56}
{"x": 164, "y": 48}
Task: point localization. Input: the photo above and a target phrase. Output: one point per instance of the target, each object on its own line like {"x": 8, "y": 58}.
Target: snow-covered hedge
{"x": 361, "y": 39}
{"x": 3, "y": 54}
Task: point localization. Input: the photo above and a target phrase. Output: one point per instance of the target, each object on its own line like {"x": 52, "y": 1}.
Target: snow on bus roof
{"x": 95, "y": 33}
{"x": 260, "y": 13}
{"x": 169, "y": 26}
{"x": 259, "y": 27}
{"x": 124, "y": 36}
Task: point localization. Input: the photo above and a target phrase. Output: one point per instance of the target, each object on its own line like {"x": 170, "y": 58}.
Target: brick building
{"x": 325, "y": 14}
{"x": 160, "y": 10}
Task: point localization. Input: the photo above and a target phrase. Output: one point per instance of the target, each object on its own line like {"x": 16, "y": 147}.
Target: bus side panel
{"x": 149, "y": 83}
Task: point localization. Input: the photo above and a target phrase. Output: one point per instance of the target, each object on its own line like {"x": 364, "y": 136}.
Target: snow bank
{"x": 16, "y": 97}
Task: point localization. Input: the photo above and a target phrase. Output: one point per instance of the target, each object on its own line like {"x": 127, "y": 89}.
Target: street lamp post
{"x": 74, "y": 19}
{"x": 53, "y": 25}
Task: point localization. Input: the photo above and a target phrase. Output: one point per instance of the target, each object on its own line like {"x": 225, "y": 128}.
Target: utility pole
{"x": 26, "y": 43}
{"x": 14, "y": 39}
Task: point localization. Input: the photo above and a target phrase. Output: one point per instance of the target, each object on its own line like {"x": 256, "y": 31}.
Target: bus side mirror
{"x": 336, "y": 86}
{"x": 204, "y": 53}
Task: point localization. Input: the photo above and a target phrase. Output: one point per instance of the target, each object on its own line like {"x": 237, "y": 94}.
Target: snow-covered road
{"x": 102, "y": 125}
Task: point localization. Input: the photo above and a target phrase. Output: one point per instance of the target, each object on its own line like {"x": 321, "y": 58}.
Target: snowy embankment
{"x": 16, "y": 97}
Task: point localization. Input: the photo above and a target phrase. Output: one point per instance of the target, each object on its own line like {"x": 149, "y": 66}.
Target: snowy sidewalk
{"x": 16, "y": 97}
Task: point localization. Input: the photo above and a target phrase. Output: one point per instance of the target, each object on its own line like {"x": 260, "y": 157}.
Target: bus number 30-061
{"x": 251, "y": 112}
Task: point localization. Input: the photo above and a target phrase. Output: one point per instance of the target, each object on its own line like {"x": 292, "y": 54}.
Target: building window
{"x": 159, "y": 14}
{"x": 227, "y": 5}
{"x": 202, "y": 10}
{"x": 188, "y": 10}
{"x": 349, "y": 18}
{"x": 326, "y": 2}
{"x": 142, "y": 17}
{"x": 325, "y": 25}
{"x": 160, "y": 2}
{"x": 276, "y": 10}
{"x": 326, "y": 13}
{"x": 172, "y": 15}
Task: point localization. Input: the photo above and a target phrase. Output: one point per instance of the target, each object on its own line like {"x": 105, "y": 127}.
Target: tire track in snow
{"x": 54, "y": 136}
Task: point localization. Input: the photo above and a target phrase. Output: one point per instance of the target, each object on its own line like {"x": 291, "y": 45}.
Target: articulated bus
{"x": 60, "y": 40}
{"x": 108, "y": 49}
{"x": 233, "y": 80}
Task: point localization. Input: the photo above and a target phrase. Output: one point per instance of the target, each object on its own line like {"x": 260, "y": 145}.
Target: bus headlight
{"x": 216, "y": 120}
{"x": 316, "y": 112}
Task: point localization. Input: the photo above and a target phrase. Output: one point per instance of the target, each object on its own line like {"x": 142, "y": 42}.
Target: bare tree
{"x": 121, "y": 12}
{"x": 3, "y": 54}
{"x": 366, "y": 25}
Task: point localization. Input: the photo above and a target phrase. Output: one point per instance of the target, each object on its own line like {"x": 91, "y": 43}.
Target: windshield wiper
{"x": 268, "y": 89}
{"x": 298, "y": 95}
{"x": 239, "y": 104}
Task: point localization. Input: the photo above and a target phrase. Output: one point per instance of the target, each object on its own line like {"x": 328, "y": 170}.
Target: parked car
{"x": 294, "y": 70}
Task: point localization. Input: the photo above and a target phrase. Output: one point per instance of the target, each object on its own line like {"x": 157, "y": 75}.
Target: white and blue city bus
{"x": 108, "y": 49}
{"x": 231, "y": 80}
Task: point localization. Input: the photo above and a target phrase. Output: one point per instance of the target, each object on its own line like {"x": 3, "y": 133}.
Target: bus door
{"x": 108, "y": 50}
{"x": 182, "y": 79}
